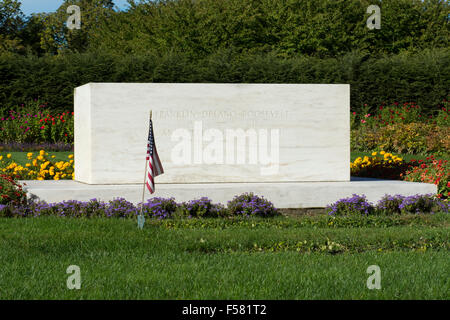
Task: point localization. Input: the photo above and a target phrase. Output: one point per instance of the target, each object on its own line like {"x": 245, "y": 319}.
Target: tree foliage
{"x": 321, "y": 28}
{"x": 57, "y": 38}
{"x": 11, "y": 19}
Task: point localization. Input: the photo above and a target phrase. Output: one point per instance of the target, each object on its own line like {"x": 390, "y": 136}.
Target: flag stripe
{"x": 154, "y": 163}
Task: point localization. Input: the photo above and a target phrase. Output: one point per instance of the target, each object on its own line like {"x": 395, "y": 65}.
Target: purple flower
{"x": 159, "y": 208}
{"x": 249, "y": 204}
{"x": 355, "y": 205}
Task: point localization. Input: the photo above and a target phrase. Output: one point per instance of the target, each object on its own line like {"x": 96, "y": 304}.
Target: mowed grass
{"x": 21, "y": 157}
{"x": 220, "y": 260}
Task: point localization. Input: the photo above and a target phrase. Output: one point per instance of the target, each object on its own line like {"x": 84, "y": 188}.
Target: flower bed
{"x": 11, "y": 192}
{"x": 34, "y": 123}
{"x": 158, "y": 208}
{"x": 40, "y": 167}
{"x": 388, "y": 205}
{"x": 381, "y": 165}
{"x": 412, "y": 138}
{"x": 388, "y": 166}
{"x": 402, "y": 129}
{"x": 430, "y": 171}
{"x": 396, "y": 113}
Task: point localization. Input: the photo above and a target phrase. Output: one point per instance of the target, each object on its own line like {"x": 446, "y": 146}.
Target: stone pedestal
{"x": 283, "y": 195}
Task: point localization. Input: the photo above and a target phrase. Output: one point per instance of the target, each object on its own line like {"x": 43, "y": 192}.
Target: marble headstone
{"x": 213, "y": 133}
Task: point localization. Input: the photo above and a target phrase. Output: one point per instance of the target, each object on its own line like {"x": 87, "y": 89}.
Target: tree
{"x": 11, "y": 21}
{"x": 56, "y": 37}
{"x": 11, "y": 18}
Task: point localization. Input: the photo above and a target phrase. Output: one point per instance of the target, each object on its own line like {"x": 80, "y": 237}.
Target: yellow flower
{"x": 29, "y": 154}
{"x": 41, "y": 153}
{"x": 374, "y": 153}
{"x": 1, "y": 157}
{"x": 40, "y": 157}
{"x": 382, "y": 152}
{"x": 8, "y": 155}
{"x": 70, "y": 156}
{"x": 28, "y": 165}
{"x": 40, "y": 178}
{"x": 53, "y": 156}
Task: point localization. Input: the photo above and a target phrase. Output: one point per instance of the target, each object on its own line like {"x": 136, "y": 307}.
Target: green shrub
{"x": 414, "y": 77}
{"x": 11, "y": 192}
{"x": 412, "y": 138}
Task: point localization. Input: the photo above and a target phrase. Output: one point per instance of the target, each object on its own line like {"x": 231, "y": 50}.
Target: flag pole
{"x": 141, "y": 219}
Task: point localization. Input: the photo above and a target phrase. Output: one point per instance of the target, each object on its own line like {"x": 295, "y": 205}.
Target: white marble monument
{"x": 287, "y": 142}
{"x": 213, "y": 133}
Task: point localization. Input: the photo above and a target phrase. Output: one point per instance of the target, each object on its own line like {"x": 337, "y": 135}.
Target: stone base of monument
{"x": 283, "y": 195}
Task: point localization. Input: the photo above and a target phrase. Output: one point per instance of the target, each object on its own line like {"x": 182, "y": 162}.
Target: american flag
{"x": 154, "y": 168}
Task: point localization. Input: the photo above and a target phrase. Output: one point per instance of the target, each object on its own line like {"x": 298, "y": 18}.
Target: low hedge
{"x": 404, "y": 77}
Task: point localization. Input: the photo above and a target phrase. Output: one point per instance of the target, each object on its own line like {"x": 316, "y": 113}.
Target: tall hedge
{"x": 420, "y": 77}
{"x": 321, "y": 28}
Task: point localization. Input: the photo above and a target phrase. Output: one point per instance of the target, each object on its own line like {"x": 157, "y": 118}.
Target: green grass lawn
{"x": 284, "y": 258}
{"x": 21, "y": 157}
